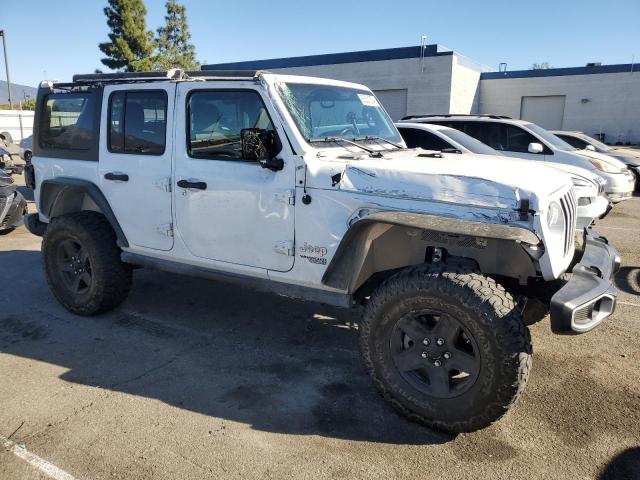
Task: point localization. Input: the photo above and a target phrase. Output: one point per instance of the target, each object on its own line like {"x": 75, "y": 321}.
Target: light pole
{"x": 3, "y": 34}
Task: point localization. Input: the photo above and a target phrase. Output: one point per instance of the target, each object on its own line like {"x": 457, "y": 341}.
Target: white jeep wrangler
{"x": 303, "y": 186}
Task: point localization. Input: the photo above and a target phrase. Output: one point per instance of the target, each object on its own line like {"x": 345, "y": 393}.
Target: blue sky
{"x": 57, "y": 39}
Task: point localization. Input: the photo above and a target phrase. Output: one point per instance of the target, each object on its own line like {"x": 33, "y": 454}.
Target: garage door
{"x": 394, "y": 102}
{"x": 547, "y": 111}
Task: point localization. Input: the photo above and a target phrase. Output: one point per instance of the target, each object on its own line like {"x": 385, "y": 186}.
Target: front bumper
{"x": 620, "y": 186}
{"x": 590, "y": 296}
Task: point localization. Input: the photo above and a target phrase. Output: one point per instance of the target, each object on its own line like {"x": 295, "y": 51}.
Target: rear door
{"x": 136, "y": 146}
{"x": 229, "y": 209}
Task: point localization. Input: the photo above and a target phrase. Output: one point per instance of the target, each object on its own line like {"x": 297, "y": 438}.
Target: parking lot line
{"x": 629, "y": 304}
{"x": 45, "y": 467}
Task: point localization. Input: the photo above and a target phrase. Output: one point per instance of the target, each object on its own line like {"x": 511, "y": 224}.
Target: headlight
{"x": 604, "y": 167}
{"x": 555, "y": 218}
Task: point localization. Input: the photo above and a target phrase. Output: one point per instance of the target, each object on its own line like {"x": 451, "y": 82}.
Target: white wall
{"x": 612, "y": 106}
{"x": 19, "y": 123}
{"x": 465, "y": 85}
{"x": 428, "y": 91}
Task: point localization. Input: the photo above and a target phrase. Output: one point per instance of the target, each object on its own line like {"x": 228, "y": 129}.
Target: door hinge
{"x": 288, "y": 197}
{"x": 166, "y": 229}
{"x": 285, "y": 248}
{"x": 163, "y": 184}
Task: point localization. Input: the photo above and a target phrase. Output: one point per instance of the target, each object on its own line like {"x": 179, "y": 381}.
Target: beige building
{"x": 599, "y": 100}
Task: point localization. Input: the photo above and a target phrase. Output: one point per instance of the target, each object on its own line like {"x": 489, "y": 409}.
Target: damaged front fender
{"x": 385, "y": 240}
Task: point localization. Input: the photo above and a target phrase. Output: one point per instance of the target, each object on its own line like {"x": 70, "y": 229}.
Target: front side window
{"x": 549, "y": 137}
{"x": 138, "y": 122}
{"x": 329, "y": 111}
{"x": 423, "y": 139}
{"x": 216, "y": 119}
{"x": 69, "y": 121}
{"x": 573, "y": 141}
{"x": 518, "y": 140}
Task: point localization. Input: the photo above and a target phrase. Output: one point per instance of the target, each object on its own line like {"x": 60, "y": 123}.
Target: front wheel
{"x": 447, "y": 348}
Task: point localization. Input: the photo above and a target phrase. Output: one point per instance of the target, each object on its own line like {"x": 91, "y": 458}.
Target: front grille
{"x": 568, "y": 204}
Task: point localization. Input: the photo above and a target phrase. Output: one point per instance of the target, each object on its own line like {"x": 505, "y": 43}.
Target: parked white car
{"x": 582, "y": 141}
{"x": 303, "y": 187}
{"x": 592, "y": 201}
{"x": 519, "y": 138}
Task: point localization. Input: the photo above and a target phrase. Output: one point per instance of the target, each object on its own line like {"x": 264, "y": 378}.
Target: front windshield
{"x": 549, "y": 137}
{"x": 329, "y": 111}
{"x": 468, "y": 142}
{"x": 601, "y": 147}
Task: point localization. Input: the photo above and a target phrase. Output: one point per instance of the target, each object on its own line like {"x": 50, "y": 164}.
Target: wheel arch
{"x": 387, "y": 241}
{"x": 60, "y": 196}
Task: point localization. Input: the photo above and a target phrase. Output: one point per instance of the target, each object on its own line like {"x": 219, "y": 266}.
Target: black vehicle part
{"x": 382, "y": 241}
{"x": 34, "y": 225}
{"x": 60, "y": 196}
{"x": 446, "y": 346}
{"x": 589, "y": 296}
{"x": 82, "y": 263}
{"x": 16, "y": 211}
{"x": 30, "y": 176}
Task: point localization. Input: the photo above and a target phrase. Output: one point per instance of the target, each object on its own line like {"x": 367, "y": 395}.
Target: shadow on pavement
{"x": 628, "y": 280}
{"x": 277, "y": 364}
{"x": 624, "y": 466}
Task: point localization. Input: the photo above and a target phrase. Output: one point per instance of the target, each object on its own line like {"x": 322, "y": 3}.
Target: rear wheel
{"x": 448, "y": 349}
{"x": 82, "y": 264}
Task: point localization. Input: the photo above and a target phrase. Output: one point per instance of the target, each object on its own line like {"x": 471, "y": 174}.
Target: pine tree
{"x": 174, "y": 49}
{"x": 131, "y": 46}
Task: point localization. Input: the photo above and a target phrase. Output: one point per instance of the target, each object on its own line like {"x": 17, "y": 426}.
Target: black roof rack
{"x": 449, "y": 115}
{"x": 176, "y": 74}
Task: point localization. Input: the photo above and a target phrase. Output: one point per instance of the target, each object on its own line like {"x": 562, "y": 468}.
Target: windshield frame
{"x": 298, "y": 122}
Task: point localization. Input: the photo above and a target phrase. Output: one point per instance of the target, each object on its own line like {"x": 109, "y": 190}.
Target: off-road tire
{"x": 110, "y": 277}
{"x": 490, "y": 315}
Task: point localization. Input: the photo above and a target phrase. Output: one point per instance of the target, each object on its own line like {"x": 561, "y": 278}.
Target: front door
{"x": 228, "y": 209}
{"x": 135, "y": 161}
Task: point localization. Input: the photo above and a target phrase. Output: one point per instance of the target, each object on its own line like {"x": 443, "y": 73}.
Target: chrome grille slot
{"x": 569, "y": 205}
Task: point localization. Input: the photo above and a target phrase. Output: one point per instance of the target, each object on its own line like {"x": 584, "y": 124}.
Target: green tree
{"x": 130, "y": 46}
{"x": 541, "y": 66}
{"x": 174, "y": 49}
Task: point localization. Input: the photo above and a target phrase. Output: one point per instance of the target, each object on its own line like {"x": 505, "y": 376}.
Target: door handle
{"x": 189, "y": 184}
{"x": 116, "y": 177}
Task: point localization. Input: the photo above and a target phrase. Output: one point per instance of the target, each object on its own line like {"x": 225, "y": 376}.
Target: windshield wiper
{"x": 375, "y": 137}
{"x": 370, "y": 151}
{"x": 451, "y": 150}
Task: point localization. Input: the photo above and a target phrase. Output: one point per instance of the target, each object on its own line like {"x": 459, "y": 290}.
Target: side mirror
{"x": 258, "y": 145}
{"x": 591, "y": 148}
{"x": 535, "y": 147}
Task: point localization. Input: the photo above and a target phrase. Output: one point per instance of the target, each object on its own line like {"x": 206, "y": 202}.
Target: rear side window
{"x": 138, "y": 122}
{"x": 423, "y": 139}
{"x": 68, "y": 121}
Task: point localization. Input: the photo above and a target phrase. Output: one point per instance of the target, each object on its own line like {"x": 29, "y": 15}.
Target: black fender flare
{"x": 52, "y": 190}
{"x": 345, "y": 267}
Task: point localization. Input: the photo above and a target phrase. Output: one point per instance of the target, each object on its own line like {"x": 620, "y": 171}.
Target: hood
{"x": 626, "y": 155}
{"x": 602, "y": 157}
{"x": 480, "y": 180}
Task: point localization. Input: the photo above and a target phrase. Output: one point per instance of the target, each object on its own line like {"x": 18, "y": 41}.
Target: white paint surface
{"x": 35, "y": 461}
